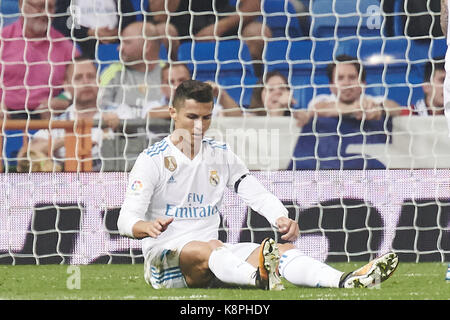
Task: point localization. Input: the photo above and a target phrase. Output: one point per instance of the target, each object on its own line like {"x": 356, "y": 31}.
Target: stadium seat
{"x": 425, "y": 50}
{"x": 240, "y": 89}
{"x": 9, "y": 10}
{"x": 294, "y": 60}
{"x": 345, "y": 18}
{"x": 281, "y": 17}
{"x": 13, "y": 140}
{"x": 109, "y": 53}
{"x": 426, "y": 18}
{"x": 139, "y": 6}
{"x": 222, "y": 58}
{"x": 228, "y": 63}
{"x": 391, "y": 63}
{"x": 398, "y": 18}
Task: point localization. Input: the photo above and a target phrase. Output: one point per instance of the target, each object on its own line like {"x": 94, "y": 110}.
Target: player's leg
{"x": 299, "y": 269}
{"x": 263, "y": 259}
{"x": 268, "y": 261}
{"x": 302, "y": 270}
{"x": 201, "y": 262}
{"x": 371, "y": 274}
{"x": 194, "y": 263}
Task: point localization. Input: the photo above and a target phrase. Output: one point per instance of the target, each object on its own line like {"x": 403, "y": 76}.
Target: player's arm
{"x": 444, "y": 16}
{"x": 142, "y": 229}
{"x": 132, "y": 221}
{"x": 268, "y": 205}
{"x": 255, "y": 195}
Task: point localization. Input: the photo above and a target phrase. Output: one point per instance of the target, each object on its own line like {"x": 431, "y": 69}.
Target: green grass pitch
{"x": 411, "y": 281}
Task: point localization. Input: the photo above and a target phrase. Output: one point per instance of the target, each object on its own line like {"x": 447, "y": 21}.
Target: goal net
{"x": 335, "y": 106}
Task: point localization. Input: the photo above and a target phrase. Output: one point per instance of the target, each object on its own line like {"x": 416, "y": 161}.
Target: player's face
{"x": 192, "y": 120}
{"x": 346, "y": 85}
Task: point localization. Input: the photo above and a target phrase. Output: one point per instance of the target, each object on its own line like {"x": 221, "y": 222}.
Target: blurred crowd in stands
{"x": 52, "y": 68}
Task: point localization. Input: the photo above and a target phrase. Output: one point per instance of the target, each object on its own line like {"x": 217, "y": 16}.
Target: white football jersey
{"x": 165, "y": 183}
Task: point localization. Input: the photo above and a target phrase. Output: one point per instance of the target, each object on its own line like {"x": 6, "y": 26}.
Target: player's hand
{"x": 158, "y": 226}
{"x": 289, "y": 228}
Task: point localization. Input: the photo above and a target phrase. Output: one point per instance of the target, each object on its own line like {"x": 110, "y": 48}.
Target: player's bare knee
{"x": 194, "y": 264}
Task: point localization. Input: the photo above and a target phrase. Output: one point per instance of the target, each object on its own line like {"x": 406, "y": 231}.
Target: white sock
{"x": 301, "y": 270}
{"x": 230, "y": 269}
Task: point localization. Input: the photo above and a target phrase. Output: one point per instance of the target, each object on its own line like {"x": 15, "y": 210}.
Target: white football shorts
{"x": 162, "y": 269}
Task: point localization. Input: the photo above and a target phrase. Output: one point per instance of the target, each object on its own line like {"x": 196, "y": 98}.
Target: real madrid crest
{"x": 214, "y": 178}
{"x": 170, "y": 163}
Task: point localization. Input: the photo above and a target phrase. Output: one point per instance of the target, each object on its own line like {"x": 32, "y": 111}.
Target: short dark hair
{"x": 192, "y": 89}
{"x": 349, "y": 59}
{"x": 431, "y": 67}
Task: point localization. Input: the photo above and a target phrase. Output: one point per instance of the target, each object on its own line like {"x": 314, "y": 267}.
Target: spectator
{"x": 174, "y": 74}
{"x": 91, "y": 22}
{"x": 346, "y": 116}
{"x": 32, "y": 63}
{"x": 138, "y": 79}
{"x": 201, "y": 20}
{"x": 85, "y": 21}
{"x": 272, "y": 97}
{"x": 347, "y": 79}
{"x": 433, "y": 89}
{"x": 81, "y": 82}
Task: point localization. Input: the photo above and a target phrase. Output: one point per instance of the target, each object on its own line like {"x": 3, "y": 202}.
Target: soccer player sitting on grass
{"x": 173, "y": 202}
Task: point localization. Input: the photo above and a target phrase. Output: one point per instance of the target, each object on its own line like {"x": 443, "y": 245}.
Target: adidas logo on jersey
{"x": 171, "y": 180}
